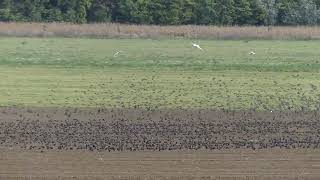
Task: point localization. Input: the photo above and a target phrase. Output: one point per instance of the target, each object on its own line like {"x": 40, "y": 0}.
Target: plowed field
{"x": 155, "y": 130}
{"x": 222, "y": 165}
{"x": 91, "y": 143}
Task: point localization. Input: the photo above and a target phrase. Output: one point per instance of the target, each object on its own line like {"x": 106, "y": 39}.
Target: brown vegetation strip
{"x": 230, "y": 165}
{"x": 111, "y": 30}
{"x": 155, "y": 130}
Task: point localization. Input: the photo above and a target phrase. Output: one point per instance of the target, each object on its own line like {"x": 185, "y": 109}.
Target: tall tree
{"x": 304, "y": 12}
{"x": 187, "y": 12}
{"x": 271, "y": 9}
{"x": 205, "y": 12}
{"x": 259, "y": 13}
{"x": 225, "y": 12}
{"x": 6, "y": 13}
{"x": 243, "y": 12}
{"x": 81, "y": 9}
{"x": 165, "y": 12}
{"x": 100, "y": 11}
{"x": 133, "y": 11}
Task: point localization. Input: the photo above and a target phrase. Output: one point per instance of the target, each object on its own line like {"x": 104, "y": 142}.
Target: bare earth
{"x": 58, "y": 143}
{"x": 239, "y": 164}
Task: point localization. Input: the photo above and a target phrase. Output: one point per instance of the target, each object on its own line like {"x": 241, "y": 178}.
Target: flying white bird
{"x": 117, "y": 53}
{"x": 252, "y": 53}
{"x": 197, "y": 46}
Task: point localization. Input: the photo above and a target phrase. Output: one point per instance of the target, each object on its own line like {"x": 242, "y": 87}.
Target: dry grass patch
{"x": 112, "y": 30}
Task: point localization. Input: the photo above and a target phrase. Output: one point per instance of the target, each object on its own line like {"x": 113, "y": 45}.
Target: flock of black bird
{"x": 97, "y": 129}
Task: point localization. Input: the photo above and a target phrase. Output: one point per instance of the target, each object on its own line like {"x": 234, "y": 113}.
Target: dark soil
{"x": 155, "y": 130}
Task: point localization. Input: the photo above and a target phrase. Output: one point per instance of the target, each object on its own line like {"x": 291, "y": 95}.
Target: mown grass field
{"x": 66, "y": 72}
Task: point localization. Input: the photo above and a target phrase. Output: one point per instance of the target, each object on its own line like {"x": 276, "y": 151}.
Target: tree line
{"x": 165, "y": 12}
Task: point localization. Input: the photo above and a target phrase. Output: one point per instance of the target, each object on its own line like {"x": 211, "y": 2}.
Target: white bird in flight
{"x": 252, "y": 53}
{"x": 197, "y": 46}
{"x": 117, "y": 53}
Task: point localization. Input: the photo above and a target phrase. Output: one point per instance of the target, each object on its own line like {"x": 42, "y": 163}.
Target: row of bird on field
{"x": 193, "y": 45}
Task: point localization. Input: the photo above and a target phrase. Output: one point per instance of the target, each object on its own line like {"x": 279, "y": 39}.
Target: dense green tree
{"x": 284, "y": 8}
{"x": 6, "y": 13}
{"x": 133, "y": 11}
{"x": 100, "y": 11}
{"x": 304, "y": 12}
{"x": 81, "y": 10}
{"x": 243, "y": 13}
{"x": 259, "y": 13}
{"x": 187, "y": 12}
{"x": 225, "y": 11}
{"x": 165, "y": 12}
{"x": 271, "y": 10}
{"x": 205, "y": 12}
{"x": 317, "y": 2}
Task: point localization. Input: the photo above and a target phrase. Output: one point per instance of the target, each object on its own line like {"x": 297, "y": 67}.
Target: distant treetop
{"x": 165, "y": 12}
